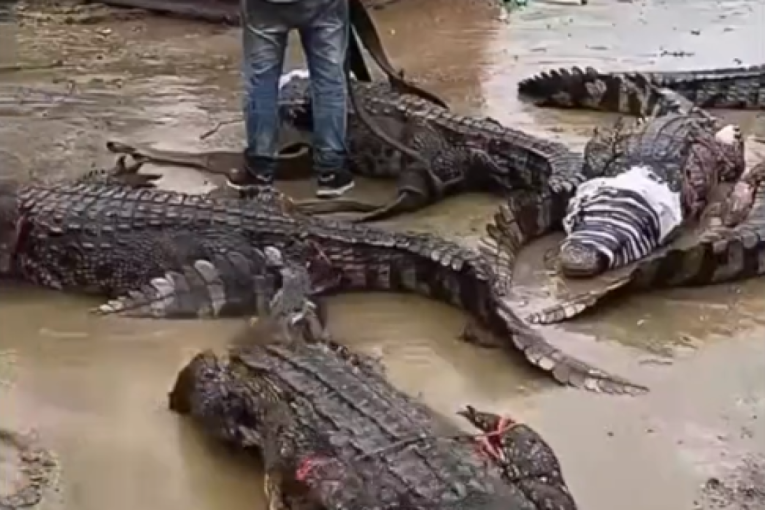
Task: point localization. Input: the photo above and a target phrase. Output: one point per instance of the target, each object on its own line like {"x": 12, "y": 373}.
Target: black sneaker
{"x": 257, "y": 173}
{"x": 334, "y": 184}
{"x": 241, "y": 179}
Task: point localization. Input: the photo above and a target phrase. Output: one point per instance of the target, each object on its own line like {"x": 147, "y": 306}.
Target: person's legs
{"x": 264, "y": 44}
{"x": 325, "y": 43}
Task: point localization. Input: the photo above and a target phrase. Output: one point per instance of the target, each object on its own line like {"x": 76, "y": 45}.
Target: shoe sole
{"x": 335, "y": 192}
{"x": 241, "y": 187}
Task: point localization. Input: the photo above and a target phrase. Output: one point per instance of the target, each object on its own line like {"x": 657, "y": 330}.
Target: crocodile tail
{"x": 524, "y": 217}
{"x": 564, "y": 368}
{"x": 211, "y": 282}
{"x": 577, "y": 305}
{"x": 735, "y": 88}
{"x": 630, "y": 94}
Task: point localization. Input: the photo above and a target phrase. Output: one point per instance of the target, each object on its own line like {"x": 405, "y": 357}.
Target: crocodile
{"x": 37, "y": 482}
{"x": 625, "y": 92}
{"x": 732, "y": 248}
{"x": 453, "y": 152}
{"x": 71, "y": 236}
{"x": 660, "y": 175}
{"x": 333, "y": 433}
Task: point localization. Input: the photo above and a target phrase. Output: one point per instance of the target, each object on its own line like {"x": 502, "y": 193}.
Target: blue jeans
{"x": 324, "y": 30}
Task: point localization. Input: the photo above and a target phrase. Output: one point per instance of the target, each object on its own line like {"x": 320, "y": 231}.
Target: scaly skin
{"x": 462, "y": 153}
{"x": 739, "y": 88}
{"x": 634, "y": 94}
{"x": 730, "y": 250}
{"x": 455, "y": 153}
{"x": 60, "y": 227}
{"x": 40, "y": 472}
{"x": 334, "y": 431}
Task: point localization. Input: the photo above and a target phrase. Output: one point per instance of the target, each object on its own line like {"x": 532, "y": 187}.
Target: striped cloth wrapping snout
{"x": 625, "y": 217}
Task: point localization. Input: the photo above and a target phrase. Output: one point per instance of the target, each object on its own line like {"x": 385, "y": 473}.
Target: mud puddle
{"x": 95, "y": 389}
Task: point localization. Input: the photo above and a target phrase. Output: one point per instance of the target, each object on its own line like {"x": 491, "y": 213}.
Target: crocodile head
{"x": 577, "y": 260}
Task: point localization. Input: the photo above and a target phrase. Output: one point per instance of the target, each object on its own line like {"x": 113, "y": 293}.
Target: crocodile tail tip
{"x": 564, "y": 368}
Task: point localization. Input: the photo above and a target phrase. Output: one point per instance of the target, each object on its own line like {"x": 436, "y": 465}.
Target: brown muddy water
{"x": 94, "y": 390}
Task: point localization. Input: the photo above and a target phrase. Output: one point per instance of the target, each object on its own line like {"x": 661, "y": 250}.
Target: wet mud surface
{"x": 95, "y": 389}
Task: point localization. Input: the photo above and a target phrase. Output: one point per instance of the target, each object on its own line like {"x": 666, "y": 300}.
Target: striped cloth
{"x": 625, "y": 217}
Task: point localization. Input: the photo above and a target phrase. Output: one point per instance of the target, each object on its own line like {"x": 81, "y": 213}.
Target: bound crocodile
{"x": 641, "y": 94}
{"x": 37, "y": 482}
{"x": 103, "y": 238}
{"x": 660, "y": 175}
{"x": 333, "y": 433}
{"x": 737, "y": 88}
{"x": 733, "y": 248}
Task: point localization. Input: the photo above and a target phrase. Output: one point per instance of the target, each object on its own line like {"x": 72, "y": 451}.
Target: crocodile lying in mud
{"x": 453, "y": 153}
{"x": 111, "y": 240}
{"x": 655, "y": 146}
{"x": 333, "y": 433}
{"x": 733, "y": 88}
{"x": 658, "y": 178}
{"x": 33, "y": 474}
{"x": 730, "y": 249}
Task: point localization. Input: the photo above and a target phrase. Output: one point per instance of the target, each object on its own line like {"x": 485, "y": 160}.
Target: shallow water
{"x": 95, "y": 389}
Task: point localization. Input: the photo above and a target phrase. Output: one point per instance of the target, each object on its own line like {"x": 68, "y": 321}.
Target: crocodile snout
{"x": 580, "y": 261}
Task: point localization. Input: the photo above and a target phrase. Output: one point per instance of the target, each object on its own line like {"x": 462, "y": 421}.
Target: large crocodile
{"x": 333, "y": 433}
{"x": 103, "y": 238}
{"x": 659, "y": 177}
{"x": 732, "y": 248}
{"x": 638, "y": 94}
{"x": 624, "y": 92}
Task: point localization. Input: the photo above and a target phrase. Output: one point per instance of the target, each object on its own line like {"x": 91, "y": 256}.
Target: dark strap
{"x": 355, "y": 58}
{"x": 366, "y": 30}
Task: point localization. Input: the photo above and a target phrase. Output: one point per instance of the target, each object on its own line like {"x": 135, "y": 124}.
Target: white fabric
{"x": 641, "y": 180}
{"x": 299, "y": 74}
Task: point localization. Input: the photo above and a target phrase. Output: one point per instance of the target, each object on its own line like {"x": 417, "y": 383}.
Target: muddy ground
{"x": 95, "y": 389}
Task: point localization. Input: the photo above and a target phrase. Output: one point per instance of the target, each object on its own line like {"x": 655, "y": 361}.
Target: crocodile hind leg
{"x": 190, "y": 275}
{"x": 527, "y": 461}
{"x": 410, "y": 197}
{"x": 123, "y": 174}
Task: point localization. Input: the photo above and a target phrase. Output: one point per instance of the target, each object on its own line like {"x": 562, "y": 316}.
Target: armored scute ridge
{"x": 640, "y": 93}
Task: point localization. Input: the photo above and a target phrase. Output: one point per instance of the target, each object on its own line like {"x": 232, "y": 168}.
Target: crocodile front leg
{"x": 527, "y": 461}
